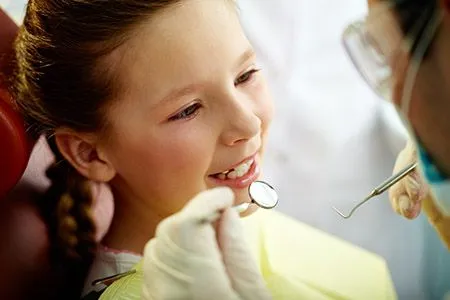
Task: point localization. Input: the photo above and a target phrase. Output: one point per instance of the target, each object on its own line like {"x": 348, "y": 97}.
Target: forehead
{"x": 184, "y": 43}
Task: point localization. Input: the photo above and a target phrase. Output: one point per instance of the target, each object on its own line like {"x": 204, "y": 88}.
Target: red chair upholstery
{"x": 15, "y": 146}
{"x": 24, "y": 244}
{"x": 23, "y": 237}
{"x": 15, "y": 149}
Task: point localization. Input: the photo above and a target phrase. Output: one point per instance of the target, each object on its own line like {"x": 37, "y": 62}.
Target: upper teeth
{"x": 238, "y": 171}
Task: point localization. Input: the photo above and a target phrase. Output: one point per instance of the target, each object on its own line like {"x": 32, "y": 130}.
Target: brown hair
{"x": 63, "y": 79}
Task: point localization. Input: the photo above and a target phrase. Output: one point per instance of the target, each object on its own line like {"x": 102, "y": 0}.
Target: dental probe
{"x": 385, "y": 185}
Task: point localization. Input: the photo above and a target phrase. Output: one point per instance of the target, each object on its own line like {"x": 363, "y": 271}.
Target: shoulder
{"x": 127, "y": 288}
{"x": 109, "y": 263}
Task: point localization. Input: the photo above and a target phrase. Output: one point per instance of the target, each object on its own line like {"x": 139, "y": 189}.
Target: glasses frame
{"x": 361, "y": 61}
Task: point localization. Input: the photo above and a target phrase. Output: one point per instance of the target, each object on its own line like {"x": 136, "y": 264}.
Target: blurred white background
{"x": 332, "y": 139}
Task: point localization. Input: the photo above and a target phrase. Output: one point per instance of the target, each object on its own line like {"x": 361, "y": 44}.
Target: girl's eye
{"x": 186, "y": 113}
{"x": 247, "y": 76}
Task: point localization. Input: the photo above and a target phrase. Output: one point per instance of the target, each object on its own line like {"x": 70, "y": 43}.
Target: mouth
{"x": 239, "y": 176}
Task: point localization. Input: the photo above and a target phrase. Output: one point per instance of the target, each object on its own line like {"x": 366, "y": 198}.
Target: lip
{"x": 244, "y": 181}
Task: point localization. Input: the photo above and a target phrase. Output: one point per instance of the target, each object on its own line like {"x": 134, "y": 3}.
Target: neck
{"x": 133, "y": 225}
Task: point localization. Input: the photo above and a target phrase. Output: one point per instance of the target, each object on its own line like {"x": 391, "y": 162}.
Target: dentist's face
{"x": 429, "y": 109}
{"x": 195, "y": 105}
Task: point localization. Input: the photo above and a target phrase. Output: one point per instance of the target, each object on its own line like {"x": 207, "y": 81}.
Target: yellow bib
{"x": 298, "y": 262}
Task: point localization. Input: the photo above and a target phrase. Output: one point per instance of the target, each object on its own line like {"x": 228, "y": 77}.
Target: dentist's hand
{"x": 192, "y": 259}
{"x": 411, "y": 195}
{"x": 407, "y": 195}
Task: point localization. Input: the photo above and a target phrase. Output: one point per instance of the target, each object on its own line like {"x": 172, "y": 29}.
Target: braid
{"x": 66, "y": 207}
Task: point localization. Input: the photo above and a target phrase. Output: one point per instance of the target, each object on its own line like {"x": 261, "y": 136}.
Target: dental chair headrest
{"x": 15, "y": 147}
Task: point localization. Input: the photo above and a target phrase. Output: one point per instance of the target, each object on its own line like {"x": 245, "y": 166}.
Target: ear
{"x": 82, "y": 152}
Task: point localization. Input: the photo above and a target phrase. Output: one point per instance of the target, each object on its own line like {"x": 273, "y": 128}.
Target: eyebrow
{"x": 191, "y": 88}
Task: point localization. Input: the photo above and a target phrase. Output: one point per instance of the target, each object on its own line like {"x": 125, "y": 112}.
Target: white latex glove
{"x": 407, "y": 195}
{"x": 411, "y": 195}
{"x": 191, "y": 259}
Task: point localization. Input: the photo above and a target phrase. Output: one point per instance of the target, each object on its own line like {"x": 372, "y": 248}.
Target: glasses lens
{"x": 368, "y": 59}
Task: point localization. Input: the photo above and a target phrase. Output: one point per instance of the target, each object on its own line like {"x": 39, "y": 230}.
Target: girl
{"x": 161, "y": 99}
{"x": 158, "y": 98}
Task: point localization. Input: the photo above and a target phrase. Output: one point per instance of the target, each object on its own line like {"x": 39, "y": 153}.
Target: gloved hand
{"x": 411, "y": 195}
{"x": 192, "y": 259}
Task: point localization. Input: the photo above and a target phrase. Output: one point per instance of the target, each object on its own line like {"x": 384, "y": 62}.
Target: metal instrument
{"x": 384, "y": 186}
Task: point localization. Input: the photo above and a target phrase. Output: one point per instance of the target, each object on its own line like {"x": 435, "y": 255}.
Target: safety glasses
{"x": 376, "y": 43}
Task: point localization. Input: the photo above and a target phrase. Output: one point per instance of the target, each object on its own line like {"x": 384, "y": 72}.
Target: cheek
{"x": 174, "y": 152}
{"x": 429, "y": 103}
{"x": 168, "y": 165}
{"x": 186, "y": 150}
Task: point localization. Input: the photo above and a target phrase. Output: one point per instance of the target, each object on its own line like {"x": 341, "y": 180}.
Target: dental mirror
{"x": 263, "y": 194}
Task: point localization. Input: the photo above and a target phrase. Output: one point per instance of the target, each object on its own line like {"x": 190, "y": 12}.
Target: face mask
{"x": 439, "y": 183}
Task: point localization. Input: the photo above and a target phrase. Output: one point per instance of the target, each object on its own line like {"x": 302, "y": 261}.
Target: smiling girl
{"x": 161, "y": 99}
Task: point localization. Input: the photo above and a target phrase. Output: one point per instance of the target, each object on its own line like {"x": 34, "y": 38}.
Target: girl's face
{"x": 194, "y": 106}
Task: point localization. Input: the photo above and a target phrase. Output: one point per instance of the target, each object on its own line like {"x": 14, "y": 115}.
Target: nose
{"x": 241, "y": 121}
